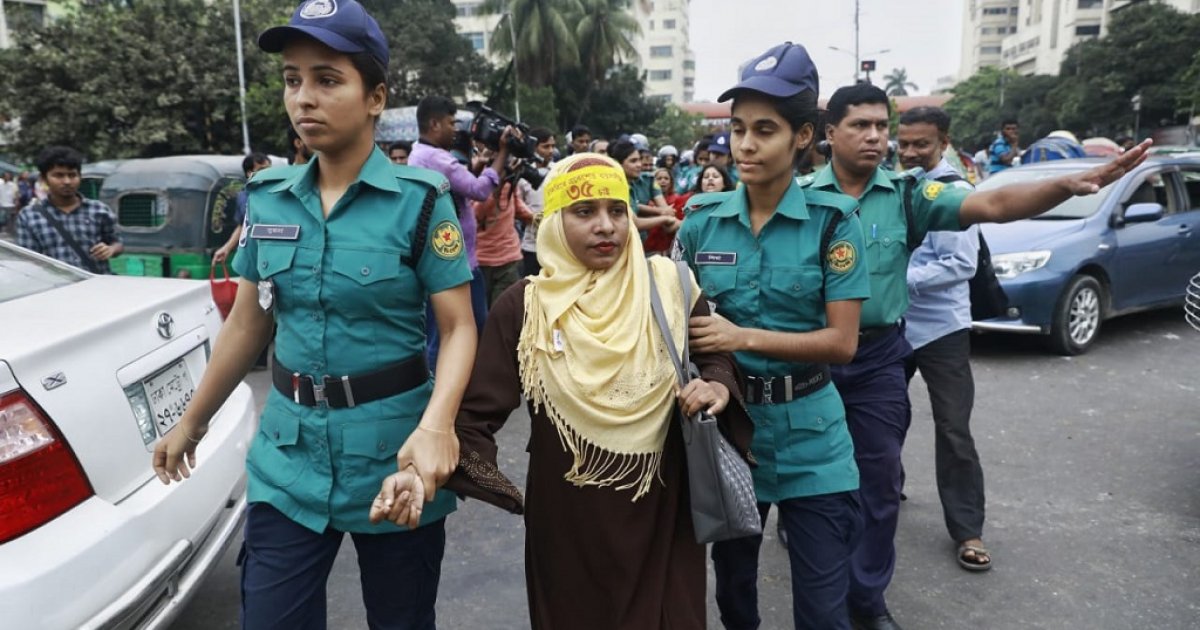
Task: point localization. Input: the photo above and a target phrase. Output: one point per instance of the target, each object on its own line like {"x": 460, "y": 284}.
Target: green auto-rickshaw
{"x": 172, "y": 212}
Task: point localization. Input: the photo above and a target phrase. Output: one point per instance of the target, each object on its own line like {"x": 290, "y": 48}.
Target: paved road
{"x": 1093, "y": 504}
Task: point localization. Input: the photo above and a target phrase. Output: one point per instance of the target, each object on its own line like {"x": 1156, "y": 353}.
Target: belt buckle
{"x": 768, "y": 385}
{"x": 318, "y": 388}
{"x": 296, "y": 387}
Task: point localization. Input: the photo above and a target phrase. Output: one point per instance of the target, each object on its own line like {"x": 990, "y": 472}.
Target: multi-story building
{"x": 1048, "y": 28}
{"x": 664, "y": 50}
{"x": 985, "y": 25}
{"x": 662, "y": 44}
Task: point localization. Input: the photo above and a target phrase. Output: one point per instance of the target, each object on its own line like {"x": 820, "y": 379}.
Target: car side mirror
{"x": 1143, "y": 213}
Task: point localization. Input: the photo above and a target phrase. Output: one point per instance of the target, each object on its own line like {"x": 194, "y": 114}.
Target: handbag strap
{"x": 661, "y": 317}
{"x": 85, "y": 257}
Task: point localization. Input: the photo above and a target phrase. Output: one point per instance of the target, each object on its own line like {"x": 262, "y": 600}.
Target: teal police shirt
{"x": 779, "y": 280}
{"x": 935, "y": 208}
{"x": 643, "y": 190}
{"x": 347, "y": 302}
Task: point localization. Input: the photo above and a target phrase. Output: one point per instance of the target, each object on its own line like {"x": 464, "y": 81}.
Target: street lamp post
{"x": 857, "y": 62}
{"x": 512, "y": 31}
{"x": 1136, "y": 102}
{"x": 237, "y": 33}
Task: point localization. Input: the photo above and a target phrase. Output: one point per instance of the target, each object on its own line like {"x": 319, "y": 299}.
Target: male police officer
{"x": 873, "y": 386}
{"x": 938, "y": 324}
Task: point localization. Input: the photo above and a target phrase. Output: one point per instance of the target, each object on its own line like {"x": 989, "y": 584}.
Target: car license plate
{"x": 169, "y": 393}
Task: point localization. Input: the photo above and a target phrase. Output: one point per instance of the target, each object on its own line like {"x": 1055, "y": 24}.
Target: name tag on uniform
{"x": 275, "y": 232}
{"x": 716, "y": 258}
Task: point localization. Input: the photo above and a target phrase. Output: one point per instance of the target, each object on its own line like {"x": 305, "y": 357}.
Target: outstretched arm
{"x": 1021, "y": 201}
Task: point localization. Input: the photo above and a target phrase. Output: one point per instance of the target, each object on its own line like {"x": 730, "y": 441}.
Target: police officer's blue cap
{"x": 783, "y": 71}
{"x": 343, "y": 25}
{"x": 720, "y": 144}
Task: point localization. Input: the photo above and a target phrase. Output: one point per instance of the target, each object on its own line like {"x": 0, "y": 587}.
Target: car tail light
{"x": 39, "y": 475}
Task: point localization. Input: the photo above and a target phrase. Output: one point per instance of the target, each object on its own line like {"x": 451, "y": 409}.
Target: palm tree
{"x": 546, "y": 45}
{"x": 897, "y": 83}
{"x": 604, "y": 31}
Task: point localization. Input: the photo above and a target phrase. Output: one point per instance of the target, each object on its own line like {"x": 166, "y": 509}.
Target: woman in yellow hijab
{"x": 609, "y": 539}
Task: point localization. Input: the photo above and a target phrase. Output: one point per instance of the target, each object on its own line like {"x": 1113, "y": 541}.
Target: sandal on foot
{"x": 980, "y": 560}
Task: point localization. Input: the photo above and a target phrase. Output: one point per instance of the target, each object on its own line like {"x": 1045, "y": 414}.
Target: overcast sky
{"x": 924, "y": 37}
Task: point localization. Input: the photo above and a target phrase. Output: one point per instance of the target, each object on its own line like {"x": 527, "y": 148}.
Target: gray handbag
{"x": 722, "y": 491}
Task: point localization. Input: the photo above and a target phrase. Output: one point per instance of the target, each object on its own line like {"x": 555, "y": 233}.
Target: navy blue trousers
{"x": 874, "y": 389}
{"x": 821, "y": 534}
{"x": 433, "y": 337}
{"x": 285, "y": 567}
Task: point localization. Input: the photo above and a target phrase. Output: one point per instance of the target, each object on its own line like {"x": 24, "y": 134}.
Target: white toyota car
{"x": 93, "y": 371}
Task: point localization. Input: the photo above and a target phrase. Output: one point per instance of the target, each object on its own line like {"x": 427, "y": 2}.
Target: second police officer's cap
{"x": 343, "y": 25}
{"x": 783, "y": 71}
{"x": 720, "y": 144}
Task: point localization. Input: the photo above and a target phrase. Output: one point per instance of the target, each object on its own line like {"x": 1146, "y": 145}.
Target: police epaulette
{"x": 703, "y": 200}
{"x": 273, "y": 174}
{"x": 433, "y": 179}
{"x": 915, "y": 174}
{"x": 843, "y": 203}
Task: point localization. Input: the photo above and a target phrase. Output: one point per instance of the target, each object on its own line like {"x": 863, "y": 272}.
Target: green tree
{"x": 897, "y": 83}
{"x": 675, "y": 126}
{"x": 545, "y": 43}
{"x": 428, "y": 56}
{"x": 1146, "y": 51}
{"x": 115, "y": 82}
{"x": 135, "y": 79}
{"x": 982, "y": 101}
{"x": 616, "y": 105}
{"x": 604, "y": 35}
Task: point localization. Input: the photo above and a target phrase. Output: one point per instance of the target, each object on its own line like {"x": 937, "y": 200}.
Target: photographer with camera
{"x": 499, "y": 244}
{"x": 436, "y": 125}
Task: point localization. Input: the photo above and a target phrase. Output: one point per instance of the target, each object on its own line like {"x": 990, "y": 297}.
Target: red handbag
{"x": 224, "y": 291}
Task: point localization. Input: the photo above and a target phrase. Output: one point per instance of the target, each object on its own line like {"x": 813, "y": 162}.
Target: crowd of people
{"x": 413, "y": 308}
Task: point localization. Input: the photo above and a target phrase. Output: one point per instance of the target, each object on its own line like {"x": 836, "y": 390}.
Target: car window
{"x": 1191, "y": 187}
{"x": 1073, "y": 208}
{"x": 1154, "y": 190}
{"x": 22, "y": 274}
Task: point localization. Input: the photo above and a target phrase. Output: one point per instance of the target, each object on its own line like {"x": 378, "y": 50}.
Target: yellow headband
{"x": 586, "y": 184}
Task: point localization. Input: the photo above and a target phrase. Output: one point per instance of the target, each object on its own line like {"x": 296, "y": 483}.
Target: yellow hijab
{"x": 590, "y": 351}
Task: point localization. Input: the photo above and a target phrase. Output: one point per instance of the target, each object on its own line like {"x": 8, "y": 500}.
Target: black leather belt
{"x": 338, "y": 392}
{"x": 867, "y": 335}
{"x": 760, "y": 390}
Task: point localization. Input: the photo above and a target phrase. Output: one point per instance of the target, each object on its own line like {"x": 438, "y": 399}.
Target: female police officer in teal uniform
{"x": 341, "y": 253}
{"x": 785, "y": 268}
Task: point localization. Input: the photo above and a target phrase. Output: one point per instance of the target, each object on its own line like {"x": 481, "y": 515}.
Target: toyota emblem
{"x": 166, "y": 325}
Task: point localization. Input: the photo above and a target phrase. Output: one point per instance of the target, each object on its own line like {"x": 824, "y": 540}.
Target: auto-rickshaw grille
{"x": 140, "y": 210}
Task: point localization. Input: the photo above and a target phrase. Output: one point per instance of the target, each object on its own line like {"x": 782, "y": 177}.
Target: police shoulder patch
{"x": 706, "y": 200}
{"x": 447, "y": 241}
{"x": 932, "y": 190}
{"x": 842, "y": 256}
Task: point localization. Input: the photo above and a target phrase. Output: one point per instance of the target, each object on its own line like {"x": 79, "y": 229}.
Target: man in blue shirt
{"x": 252, "y": 164}
{"x": 939, "y": 328}
{"x": 1006, "y": 147}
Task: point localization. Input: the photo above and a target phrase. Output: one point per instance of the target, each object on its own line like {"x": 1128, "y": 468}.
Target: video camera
{"x": 488, "y": 128}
